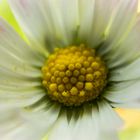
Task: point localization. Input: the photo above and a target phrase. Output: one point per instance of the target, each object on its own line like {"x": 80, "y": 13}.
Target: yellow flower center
{"x": 74, "y": 75}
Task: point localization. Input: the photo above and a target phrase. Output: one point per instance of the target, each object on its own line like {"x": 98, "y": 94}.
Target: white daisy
{"x": 82, "y": 61}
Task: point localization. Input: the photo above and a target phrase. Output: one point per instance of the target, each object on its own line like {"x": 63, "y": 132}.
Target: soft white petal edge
{"x": 16, "y": 48}
{"x": 48, "y": 23}
{"x": 33, "y": 125}
{"x": 123, "y": 93}
{"x": 123, "y": 19}
{"x": 94, "y": 17}
{"x": 19, "y": 70}
{"x": 109, "y": 119}
{"x": 92, "y": 124}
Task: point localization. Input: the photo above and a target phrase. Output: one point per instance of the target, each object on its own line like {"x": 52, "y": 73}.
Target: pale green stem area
{"x": 6, "y": 13}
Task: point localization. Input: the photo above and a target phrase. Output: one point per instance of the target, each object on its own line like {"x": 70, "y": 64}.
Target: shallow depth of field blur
{"x": 131, "y": 117}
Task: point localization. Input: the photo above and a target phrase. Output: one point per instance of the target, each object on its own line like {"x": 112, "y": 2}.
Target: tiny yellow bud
{"x": 81, "y": 78}
{"x": 71, "y": 67}
{"x": 83, "y": 71}
{"x": 86, "y": 64}
{"x": 88, "y": 86}
{"x": 56, "y": 73}
{"x": 65, "y": 94}
{"x": 68, "y": 86}
{"x": 89, "y": 70}
{"x": 78, "y": 65}
{"x": 86, "y": 53}
{"x": 80, "y": 85}
{"x": 61, "y": 88}
{"x": 73, "y": 80}
{"x": 74, "y": 91}
{"x": 97, "y": 74}
{"x": 61, "y": 74}
{"x": 95, "y": 65}
{"x": 44, "y": 69}
{"x": 90, "y": 59}
{"x": 62, "y": 67}
{"x": 53, "y": 70}
{"x": 53, "y": 79}
{"x": 55, "y": 93}
{"x": 53, "y": 87}
{"x": 76, "y": 73}
{"x": 44, "y": 83}
{"x": 58, "y": 80}
{"x": 89, "y": 77}
{"x": 47, "y": 76}
{"x": 68, "y": 73}
{"x": 65, "y": 80}
{"x": 51, "y": 64}
{"x": 82, "y": 93}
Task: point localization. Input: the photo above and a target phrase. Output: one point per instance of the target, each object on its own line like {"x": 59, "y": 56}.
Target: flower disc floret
{"x": 74, "y": 75}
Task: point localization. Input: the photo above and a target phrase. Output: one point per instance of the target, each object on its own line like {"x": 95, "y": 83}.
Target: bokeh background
{"x": 131, "y": 129}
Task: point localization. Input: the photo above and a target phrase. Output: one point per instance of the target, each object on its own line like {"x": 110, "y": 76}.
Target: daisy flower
{"x": 81, "y": 61}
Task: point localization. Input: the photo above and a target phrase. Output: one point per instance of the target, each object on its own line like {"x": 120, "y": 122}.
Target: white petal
{"x": 6, "y": 124}
{"x": 43, "y": 118}
{"x": 86, "y": 16}
{"x": 126, "y": 58}
{"x": 16, "y": 57}
{"x": 131, "y": 104}
{"x": 123, "y": 92}
{"x": 94, "y": 19}
{"x": 20, "y": 72}
{"x": 48, "y": 23}
{"x": 22, "y": 132}
{"x": 32, "y": 22}
{"x": 85, "y": 124}
{"x": 12, "y": 48}
{"x": 79, "y": 128}
{"x": 64, "y": 16}
{"x": 122, "y": 22}
{"x": 34, "y": 125}
{"x": 128, "y": 50}
{"x": 109, "y": 119}
{"x": 11, "y": 124}
{"x": 109, "y": 136}
{"x": 11, "y": 79}
{"x": 91, "y": 126}
{"x": 22, "y": 98}
{"x": 85, "y": 127}
{"x": 61, "y": 129}
{"x": 127, "y": 72}
{"x": 108, "y": 122}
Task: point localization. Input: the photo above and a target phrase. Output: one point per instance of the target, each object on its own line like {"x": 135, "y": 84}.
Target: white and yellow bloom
{"x": 82, "y": 60}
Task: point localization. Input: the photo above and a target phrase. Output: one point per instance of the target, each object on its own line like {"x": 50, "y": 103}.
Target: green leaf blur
{"x": 6, "y": 13}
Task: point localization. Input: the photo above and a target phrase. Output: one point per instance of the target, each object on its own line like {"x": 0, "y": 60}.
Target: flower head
{"x": 82, "y": 60}
{"x": 74, "y": 75}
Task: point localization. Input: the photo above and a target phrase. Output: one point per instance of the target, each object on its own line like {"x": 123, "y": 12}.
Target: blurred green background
{"x": 132, "y": 117}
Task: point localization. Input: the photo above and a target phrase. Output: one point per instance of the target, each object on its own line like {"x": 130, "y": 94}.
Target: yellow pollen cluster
{"x": 74, "y": 75}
